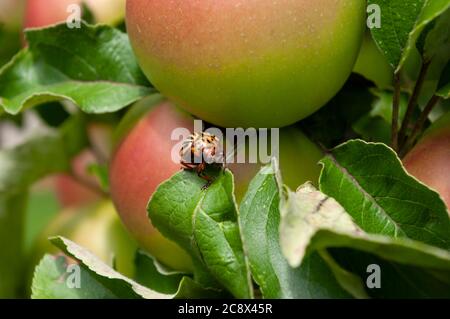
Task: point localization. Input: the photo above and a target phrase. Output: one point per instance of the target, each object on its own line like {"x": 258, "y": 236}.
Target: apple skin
{"x": 95, "y": 227}
{"x": 142, "y": 161}
{"x": 373, "y": 65}
{"x": 429, "y": 160}
{"x": 40, "y": 13}
{"x": 252, "y": 63}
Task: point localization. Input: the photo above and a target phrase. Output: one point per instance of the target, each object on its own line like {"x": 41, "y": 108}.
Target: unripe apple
{"x": 96, "y": 228}
{"x": 373, "y": 65}
{"x": 40, "y": 13}
{"x": 429, "y": 160}
{"x": 253, "y": 63}
{"x": 107, "y": 11}
{"x": 143, "y": 160}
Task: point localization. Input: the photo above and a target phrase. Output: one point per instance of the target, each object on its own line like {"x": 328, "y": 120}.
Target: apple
{"x": 429, "y": 160}
{"x": 139, "y": 164}
{"x": 107, "y": 11}
{"x": 373, "y": 65}
{"x": 72, "y": 193}
{"x": 142, "y": 160}
{"x": 97, "y": 228}
{"x": 41, "y": 13}
{"x": 247, "y": 63}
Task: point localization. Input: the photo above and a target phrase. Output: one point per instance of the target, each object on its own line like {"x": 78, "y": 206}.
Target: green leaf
{"x": 437, "y": 43}
{"x": 376, "y": 125}
{"x": 155, "y": 276}
{"x": 60, "y": 64}
{"x": 332, "y": 124}
{"x": 402, "y": 22}
{"x": 205, "y": 224}
{"x": 100, "y": 171}
{"x": 373, "y": 129}
{"x": 10, "y": 44}
{"x": 45, "y": 154}
{"x": 397, "y": 280}
{"x": 312, "y": 220}
{"x": 190, "y": 289}
{"x": 54, "y": 278}
{"x": 382, "y": 106}
{"x": 260, "y": 218}
{"x": 52, "y": 281}
{"x": 444, "y": 92}
{"x": 98, "y": 280}
{"x": 369, "y": 181}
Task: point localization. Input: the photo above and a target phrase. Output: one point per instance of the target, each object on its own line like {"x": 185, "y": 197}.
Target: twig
{"x": 419, "y": 125}
{"x": 395, "y": 112}
{"x": 88, "y": 184}
{"x": 413, "y": 101}
{"x": 98, "y": 154}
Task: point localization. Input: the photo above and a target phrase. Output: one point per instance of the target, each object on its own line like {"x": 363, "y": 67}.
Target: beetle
{"x": 198, "y": 151}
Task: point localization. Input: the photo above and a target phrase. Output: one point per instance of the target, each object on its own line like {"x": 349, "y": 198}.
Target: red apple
{"x": 140, "y": 163}
{"x": 41, "y": 13}
{"x": 249, "y": 63}
{"x": 429, "y": 160}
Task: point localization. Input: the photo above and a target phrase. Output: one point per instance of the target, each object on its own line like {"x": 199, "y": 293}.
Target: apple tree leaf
{"x": 402, "y": 22}
{"x": 93, "y": 67}
{"x": 260, "y": 219}
{"x": 205, "y": 223}
{"x": 96, "y": 279}
{"x": 152, "y": 274}
{"x": 369, "y": 181}
{"x": 313, "y": 221}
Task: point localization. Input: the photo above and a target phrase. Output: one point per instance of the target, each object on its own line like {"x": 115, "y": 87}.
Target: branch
{"x": 413, "y": 100}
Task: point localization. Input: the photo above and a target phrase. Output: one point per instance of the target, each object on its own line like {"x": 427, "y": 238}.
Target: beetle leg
{"x": 187, "y": 166}
{"x": 208, "y": 183}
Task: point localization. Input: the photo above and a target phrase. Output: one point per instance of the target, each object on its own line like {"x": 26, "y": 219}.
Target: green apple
{"x": 373, "y": 65}
{"x": 95, "y": 227}
{"x": 142, "y": 160}
{"x": 429, "y": 160}
{"x": 252, "y": 63}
